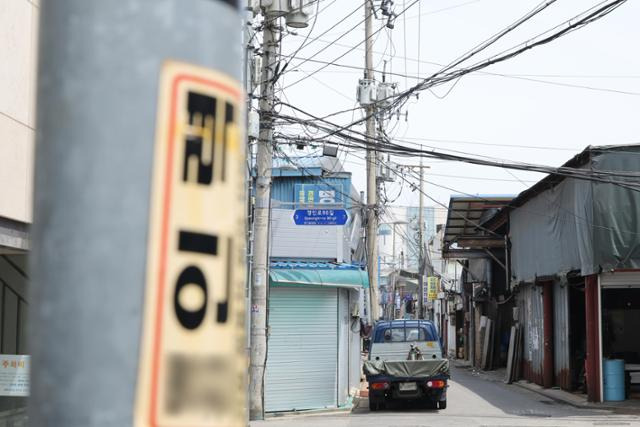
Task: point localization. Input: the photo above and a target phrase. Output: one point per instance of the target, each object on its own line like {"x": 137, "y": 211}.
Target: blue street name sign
{"x": 320, "y": 216}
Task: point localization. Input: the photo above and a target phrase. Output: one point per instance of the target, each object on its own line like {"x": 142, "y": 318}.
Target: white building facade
{"x": 18, "y": 44}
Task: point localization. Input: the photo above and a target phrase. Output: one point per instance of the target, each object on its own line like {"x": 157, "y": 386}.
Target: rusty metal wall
{"x": 561, "y": 352}
{"x": 531, "y": 318}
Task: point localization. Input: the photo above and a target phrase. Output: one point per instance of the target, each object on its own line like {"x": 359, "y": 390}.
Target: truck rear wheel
{"x": 442, "y": 404}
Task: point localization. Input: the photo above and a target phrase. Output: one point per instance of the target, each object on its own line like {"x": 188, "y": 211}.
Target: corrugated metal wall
{"x": 531, "y": 317}
{"x": 289, "y": 240}
{"x": 561, "y": 357}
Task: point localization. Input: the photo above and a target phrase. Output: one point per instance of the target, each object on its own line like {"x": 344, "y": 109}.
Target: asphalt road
{"x": 472, "y": 400}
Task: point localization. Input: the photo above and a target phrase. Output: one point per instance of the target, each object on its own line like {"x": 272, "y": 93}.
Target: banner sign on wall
{"x": 307, "y": 195}
{"x": 14, "y": 375}
{"x": 433, "y": 286}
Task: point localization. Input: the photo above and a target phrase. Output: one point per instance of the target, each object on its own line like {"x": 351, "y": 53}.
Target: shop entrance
{"x": 620, "y": 326}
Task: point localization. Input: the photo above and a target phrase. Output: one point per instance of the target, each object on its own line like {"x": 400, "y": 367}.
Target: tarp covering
{"x": 579, "y": 225}
{"x": 407, "y": 368}
{"x": 551, "y": 233}
{"x": 353, "y": 278}
{"x": 616, "y": 213}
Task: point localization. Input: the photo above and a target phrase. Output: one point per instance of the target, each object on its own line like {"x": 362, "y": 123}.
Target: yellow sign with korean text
{"x": 433, "y": 286}
{"x": 192, "y": 369}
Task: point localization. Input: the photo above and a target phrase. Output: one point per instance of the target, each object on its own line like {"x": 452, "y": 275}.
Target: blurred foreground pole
{"x": 137, "y": 314}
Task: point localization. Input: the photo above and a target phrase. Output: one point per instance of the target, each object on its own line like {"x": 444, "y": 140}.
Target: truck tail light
{"x": 379, "y": 386}
{"x": 436, "y": 384}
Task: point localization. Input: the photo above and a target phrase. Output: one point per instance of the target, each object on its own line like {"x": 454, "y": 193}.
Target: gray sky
{"x": 482, "y": 108}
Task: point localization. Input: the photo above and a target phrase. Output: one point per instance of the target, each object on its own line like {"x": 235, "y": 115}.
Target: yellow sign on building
{"x": 433, "y": 287}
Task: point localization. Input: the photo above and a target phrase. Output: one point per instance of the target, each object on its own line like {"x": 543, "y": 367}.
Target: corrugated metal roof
{"x": 465, "y": 213}
{"x": 552, "y": 180}
{"x": 317, "y": 273}
{"x": 305, "y": 166}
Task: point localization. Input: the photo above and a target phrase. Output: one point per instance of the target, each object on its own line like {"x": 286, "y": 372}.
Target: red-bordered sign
{"x": 192, "y": 362}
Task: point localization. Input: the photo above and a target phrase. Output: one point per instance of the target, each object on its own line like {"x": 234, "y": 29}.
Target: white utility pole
{"x": 372, "y": 163}
{"x": 260, "y": 279}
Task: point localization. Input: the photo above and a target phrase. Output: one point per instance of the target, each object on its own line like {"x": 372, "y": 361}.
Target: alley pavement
{"x": 472, "y": 400}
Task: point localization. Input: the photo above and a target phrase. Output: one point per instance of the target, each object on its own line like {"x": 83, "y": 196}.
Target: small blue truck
{"x": 406, "y": 363}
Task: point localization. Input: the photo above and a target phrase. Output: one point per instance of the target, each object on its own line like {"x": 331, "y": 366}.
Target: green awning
{"x": 341, "y": 278}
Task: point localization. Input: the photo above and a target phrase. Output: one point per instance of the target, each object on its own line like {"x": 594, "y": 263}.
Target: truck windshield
{"x": 404, "y": 335}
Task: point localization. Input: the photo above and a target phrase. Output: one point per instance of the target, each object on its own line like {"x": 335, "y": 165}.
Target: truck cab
{"x": 397, "y": 333}
{"x": 406, "y": 363}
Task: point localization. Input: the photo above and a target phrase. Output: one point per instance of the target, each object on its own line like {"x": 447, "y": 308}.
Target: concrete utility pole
{"x": 372, "y": 164}
{"x": 421, "y": 244}
{"x": 129, "y": 188}
{"x": 260, "y": 280}
{"x": 421, "y": 257}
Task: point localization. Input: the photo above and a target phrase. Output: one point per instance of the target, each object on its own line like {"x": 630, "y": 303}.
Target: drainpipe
{"x": 547, "y": 303}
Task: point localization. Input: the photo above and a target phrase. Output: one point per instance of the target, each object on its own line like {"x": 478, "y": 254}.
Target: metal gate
{"x": 302, "y": 357}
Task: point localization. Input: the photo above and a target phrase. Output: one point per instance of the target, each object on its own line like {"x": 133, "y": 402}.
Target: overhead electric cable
{"x": 352, "y": 48}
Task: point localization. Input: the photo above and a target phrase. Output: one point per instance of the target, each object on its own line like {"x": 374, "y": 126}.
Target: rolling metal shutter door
{"x": 301, "y": 370}
{"x": 620, "y": 280}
